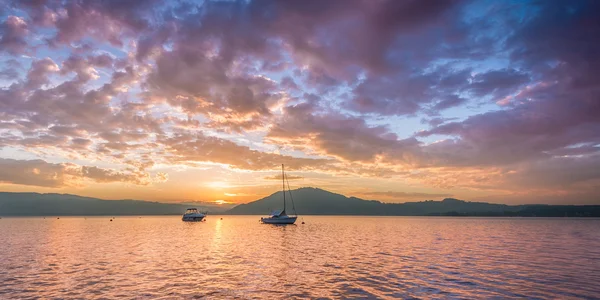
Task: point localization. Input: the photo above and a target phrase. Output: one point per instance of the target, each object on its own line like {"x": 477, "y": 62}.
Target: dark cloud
{"x": 208, "y": 67}
{"x": 448, "y": 102}
{"x": 544, "y": 143}
{"x": 80, "y": 143}
{"x": 110, "y": 21}
{"x": 497, "y": 83}
{"x": 393, "y": 96}
{"x": 558, "y": 111}
{"x": 13, "y": 31}
{"x": 411, "y": 93}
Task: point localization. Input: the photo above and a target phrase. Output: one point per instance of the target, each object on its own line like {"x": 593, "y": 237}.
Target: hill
{"x": 308, "y": 201}
{"x": 313, "y": 201}
{"x": 35, "y": 204}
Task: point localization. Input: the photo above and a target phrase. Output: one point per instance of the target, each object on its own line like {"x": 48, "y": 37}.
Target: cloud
{"x": 11, "y": 70}
{"x": 398, "y": 95}
{"x": 210, "y": 68}
{"x": 39, "y": 71}
{"x": 85, "y": 68}
{"x": 111, "y": 21}
{"x": 448, "y": 102}
{"x": 549, "y": 109}
{"x": 186, "y": 148}
{"x": 531, "y": 130}
{"x": 288, "y": 177}
{"x": 106, "y": 175}
{"x": 505, "y": 100}
{"x": 198, "y": 84}
{"x": 497, "y": 83}
{"x": 557, "y": 173}
{"x": 43, "y": 174}
{"x": 81, "y": 143}
{"x": 342, "y": 136}
{"x": 14, "y": 31}
{"x": 32, "y": 172}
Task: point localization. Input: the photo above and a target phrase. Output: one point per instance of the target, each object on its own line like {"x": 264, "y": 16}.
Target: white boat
{"x": 280, "y": 216}
{"x": 193, "y": 215}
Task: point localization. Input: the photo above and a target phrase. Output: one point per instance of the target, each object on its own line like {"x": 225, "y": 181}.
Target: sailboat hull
{"x": 280, "y": 217}
{"x": 279, "y": 220}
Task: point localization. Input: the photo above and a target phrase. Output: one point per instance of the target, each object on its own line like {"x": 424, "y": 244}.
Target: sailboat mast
{"x": 283, "y": 185}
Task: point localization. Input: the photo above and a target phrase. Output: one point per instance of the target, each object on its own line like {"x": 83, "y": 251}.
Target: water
{"x": 329, "y": 257}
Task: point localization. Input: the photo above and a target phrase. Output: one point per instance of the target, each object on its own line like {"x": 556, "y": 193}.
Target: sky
{"x": 398, "y": 101}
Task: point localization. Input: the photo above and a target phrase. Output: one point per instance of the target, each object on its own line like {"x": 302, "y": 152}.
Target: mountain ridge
{"x": 307, "y": 201}
{"x": 56, "y": 204}
{"x": 315, "y": 201}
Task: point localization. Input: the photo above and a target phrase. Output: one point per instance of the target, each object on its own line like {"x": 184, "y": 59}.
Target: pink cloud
{"x": 14, "y": 31}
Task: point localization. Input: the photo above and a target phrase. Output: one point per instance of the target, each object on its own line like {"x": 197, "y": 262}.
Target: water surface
{"x": 329, "y": 257}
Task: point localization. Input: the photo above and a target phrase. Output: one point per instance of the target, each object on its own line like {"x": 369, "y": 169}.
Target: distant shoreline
{"x": 308, "y": 215}
{"x": 309, "y": 201}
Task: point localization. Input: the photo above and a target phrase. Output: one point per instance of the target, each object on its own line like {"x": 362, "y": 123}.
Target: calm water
{"x": 329, "y": 257}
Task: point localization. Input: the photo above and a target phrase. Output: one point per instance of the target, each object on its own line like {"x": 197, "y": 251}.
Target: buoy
{"x": 111, "y": 220}
{"x": 57, "y": 218}
{"x": 221, "y": 218}
{"x": 302, "y": 222}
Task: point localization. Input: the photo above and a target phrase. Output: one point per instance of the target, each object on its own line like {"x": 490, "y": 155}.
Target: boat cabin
{"x": 277, "y": 213}
{"x": 191, "y": 211}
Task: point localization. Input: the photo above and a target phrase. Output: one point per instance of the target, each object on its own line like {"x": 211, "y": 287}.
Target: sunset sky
{"x": 495, "y": 101}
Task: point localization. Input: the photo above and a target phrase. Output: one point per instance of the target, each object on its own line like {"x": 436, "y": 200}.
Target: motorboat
{"x": 280, "y": 216}
{"x": 193, "y": 215}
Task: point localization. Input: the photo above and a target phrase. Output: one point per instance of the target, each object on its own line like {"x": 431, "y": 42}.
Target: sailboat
{"x": 280, "y": 216}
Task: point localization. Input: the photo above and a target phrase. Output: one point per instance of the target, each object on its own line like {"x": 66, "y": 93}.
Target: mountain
{"x": 313, "y": 201}
{"x": 35, "y": 204}
{"x": 308, "y": 201}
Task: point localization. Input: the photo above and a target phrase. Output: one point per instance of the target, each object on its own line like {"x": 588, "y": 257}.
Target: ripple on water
{"x": 330, "y": 257}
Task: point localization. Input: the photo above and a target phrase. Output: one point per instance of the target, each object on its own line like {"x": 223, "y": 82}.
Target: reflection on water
{"x": 332, "y": 257}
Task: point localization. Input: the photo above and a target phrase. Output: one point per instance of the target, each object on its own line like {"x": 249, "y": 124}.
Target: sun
{"x": 220, "y": 202}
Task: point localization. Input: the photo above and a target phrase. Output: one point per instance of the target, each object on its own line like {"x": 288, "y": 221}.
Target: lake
{"x": 328, "y": 257}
